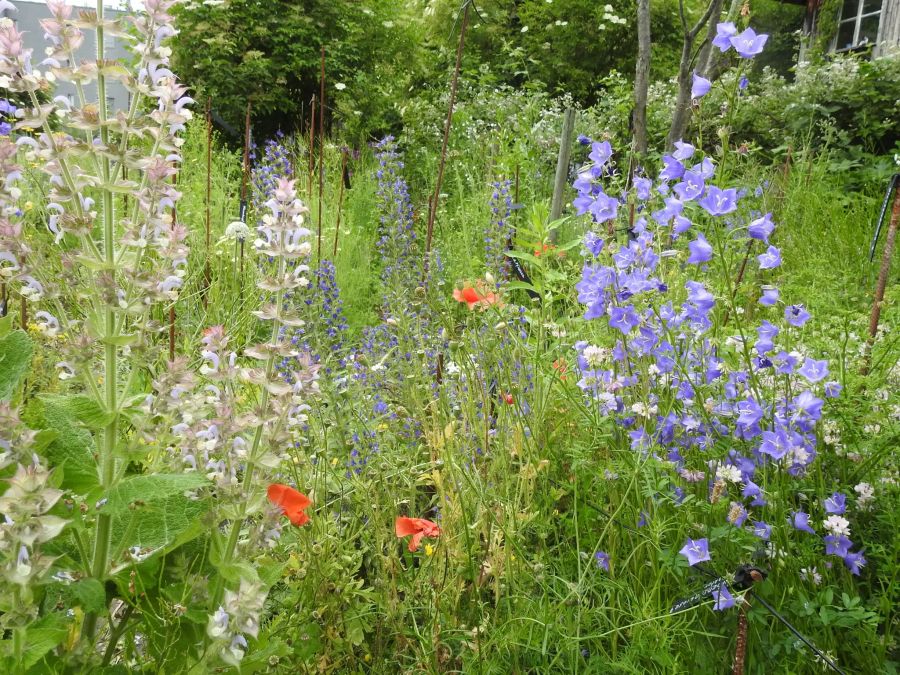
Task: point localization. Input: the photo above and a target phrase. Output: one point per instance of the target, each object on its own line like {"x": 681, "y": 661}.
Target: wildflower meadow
{"x": 305, "y": 371}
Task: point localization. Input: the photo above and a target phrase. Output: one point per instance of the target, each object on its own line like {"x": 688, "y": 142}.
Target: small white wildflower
{"x": 729, "y": 473}
{"x": 595, "y": 356}
{"x": 811, "y": 575}
{"x": 837, "y": 525}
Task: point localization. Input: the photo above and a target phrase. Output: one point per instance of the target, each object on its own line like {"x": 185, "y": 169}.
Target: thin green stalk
{"x": 107, "y": 459}
{"x": 235, "y": 533}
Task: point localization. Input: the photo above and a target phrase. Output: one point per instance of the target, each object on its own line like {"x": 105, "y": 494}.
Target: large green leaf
{"x": 73, "y": 447}
{"x": 154, "y": 512}
{"x": 82, "y": 408}
{"x": 15, "y": 358}
{"x": 42, "y": 636}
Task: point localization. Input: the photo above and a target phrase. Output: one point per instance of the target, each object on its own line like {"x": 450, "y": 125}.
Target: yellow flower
{"x": 382, "y": 427}
{"x": 28, "y": 206}
{"x": 429, "y": 550}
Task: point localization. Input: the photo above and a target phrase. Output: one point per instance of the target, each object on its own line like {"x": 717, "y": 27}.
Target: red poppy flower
{"x": 477, "y": 294}
{"x": 418, "y": 528}
{"x": 509, "y": 399}
{"x": 292, "y": 503}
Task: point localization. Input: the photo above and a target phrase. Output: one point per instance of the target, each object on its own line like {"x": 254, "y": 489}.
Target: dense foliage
{"x": 644, "y": 437}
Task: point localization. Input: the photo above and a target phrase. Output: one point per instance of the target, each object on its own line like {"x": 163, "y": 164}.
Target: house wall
{"x": 889, "y": 28}
{"x": 27, "y": 18}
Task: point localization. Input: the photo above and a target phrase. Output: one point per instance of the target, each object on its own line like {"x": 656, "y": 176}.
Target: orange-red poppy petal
{"x": 291, "y": 502}
{"x": 406, "y": 526}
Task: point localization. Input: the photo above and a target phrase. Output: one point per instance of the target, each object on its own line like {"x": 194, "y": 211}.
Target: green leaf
{"x": 89, "y": 594}
{"x": 82, "y": 408}
{"x": 42, "y": 636}
{"x": 513, "y": 285}
{"x": 237, "y": 571}
{"x": 153, "y": 512}
{"x": 15, "y": 358}
{"x": 72, "y": 449}
{"x": 521, "y": 255}
{"x": 6, "y": 323}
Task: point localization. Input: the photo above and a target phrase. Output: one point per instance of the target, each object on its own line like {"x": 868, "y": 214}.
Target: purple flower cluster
{"x": 496, "y": 237}
{"x": 7, "y": 114}
{"x": 397, "y": 237}
{"x": 274, "y": 165}
{"x": 671, "y": 382}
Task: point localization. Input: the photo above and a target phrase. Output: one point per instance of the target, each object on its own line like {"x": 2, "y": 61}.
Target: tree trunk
{"x": 704, "y": 60}
{"x": 682, "y": 113}
{"x": 642, "y": 78}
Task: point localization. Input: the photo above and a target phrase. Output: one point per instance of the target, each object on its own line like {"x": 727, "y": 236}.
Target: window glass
{"x": 845, "y": 34}
{"x": 868, "y": 29}
{"x": 870, "y": 6}
{"x": 850, "y": 8}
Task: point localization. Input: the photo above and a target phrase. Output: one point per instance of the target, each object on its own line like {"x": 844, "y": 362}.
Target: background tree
{"x": 269, "y": 50}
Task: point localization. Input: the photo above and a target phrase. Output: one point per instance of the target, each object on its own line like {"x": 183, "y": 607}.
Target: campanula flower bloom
{"x": 718, "y": 202}
{"x": 683, "y": 151}
{"x": 600, "y": 153}
{"x": 690, "y": 187}
{"x": 796, "y": 315}
{"x": 854, "y": 561}
{"x": 604, "y": 208}
{"x": 836, "y": 503}
{"x": 769, "y": 296}
{"x": 800, "y": 521}
{"x": 700, "y": 251}
{"x": 723, "y": 598}
{"x": 642, "y": 187}
{"x": 762, "y": 530}
{"x": 602, "y": 560}
{"x": 770, "y": 259}
{"x": 673, "y": 168}
{"x": 724, "y": 33}
{"x": 700, "y": 86}
{"x": 748, "y": 44}
{"x": 814, "y": 370}
{"x": 593, "y": 243}
{"x": 833, "y": 389}
{"x": 761, "y": 228}
{"x": 696, "y": 551}
{"x": 838, "y": 545}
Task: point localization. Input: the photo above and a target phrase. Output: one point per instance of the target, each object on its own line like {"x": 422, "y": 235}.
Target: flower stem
{"x": 107, "y": 459}
{"x": 234, "y": 535}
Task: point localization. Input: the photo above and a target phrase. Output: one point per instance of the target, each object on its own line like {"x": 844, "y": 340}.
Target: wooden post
{"x": 321, "y": 150}
{"x": 207, "y": 276}
{"x": 340, "y": 204}
{"x": 562, "y": 168}
{"x": 312, "y": 145}
{"x": 432, "y": 210}
{"x": 883, "y": 274}
{"x": 245, "y": 179}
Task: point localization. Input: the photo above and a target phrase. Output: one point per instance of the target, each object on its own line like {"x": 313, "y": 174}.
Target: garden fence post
{"x": 882, "y": 278}
{"x": 562, "y": 166}
{"x": 321, "y": 152}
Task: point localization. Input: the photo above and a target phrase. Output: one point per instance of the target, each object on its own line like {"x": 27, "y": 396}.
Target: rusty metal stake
{"x": 435, "y": 198}
{"x": 337, "y": 227}
{"x": 882, "y": 279}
